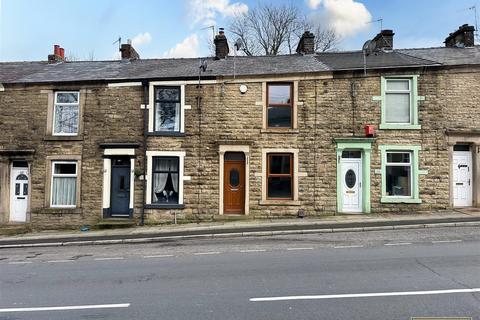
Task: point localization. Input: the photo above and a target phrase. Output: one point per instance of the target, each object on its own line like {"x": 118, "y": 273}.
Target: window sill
{"x": 166, "y": 134}
{"x": 63, "y": 138}
{"x": 280, "y": 131}
{"x": 279, "y": 203}
{"x": 386, "y": 126}
{"x": 164, "y": 206}
{"x": 65, "y": 210}
{"x": 399, "y": 200}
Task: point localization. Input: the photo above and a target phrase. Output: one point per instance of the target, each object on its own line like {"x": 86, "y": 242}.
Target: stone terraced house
{"x": 150, "y": 140}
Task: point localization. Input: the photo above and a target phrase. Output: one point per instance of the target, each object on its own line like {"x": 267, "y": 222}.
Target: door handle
{"x": 20, "y": 198}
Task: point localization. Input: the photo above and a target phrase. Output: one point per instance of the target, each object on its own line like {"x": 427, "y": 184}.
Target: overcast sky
{"x": 175, "y": 28}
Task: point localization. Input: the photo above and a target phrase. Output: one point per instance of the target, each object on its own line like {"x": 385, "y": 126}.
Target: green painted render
{"x": 415, "y": 98}
{"x": 415, "y": 198}
{"x": 365, "y": 145}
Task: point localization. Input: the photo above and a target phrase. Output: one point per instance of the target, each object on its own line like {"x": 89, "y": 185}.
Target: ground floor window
{"x": 165, "y": 173}
{"x": 280, "y": 176}
{"x": 64, "y": 184}
{"x": 398, "y": 173}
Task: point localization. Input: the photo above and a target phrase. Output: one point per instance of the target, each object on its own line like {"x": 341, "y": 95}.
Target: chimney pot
{"x": 62, "y": 53}
{"x": 221, "y": 45}
{"x": 306, "y": 44}
{"x": 56, "y": 49}
{"x": 57, "y": 56}
{"x": 463, "y": 37}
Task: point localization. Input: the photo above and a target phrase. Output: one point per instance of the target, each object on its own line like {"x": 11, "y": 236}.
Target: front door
{"x": 462, "y": 178}
{"x": 234, "y": 184}
{"x": 351, "y": 181}
{"x": 19, "y": 192}
{"x": 120, "y": 188}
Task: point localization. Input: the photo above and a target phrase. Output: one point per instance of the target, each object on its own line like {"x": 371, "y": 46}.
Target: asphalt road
{"x": 352, "y": 275}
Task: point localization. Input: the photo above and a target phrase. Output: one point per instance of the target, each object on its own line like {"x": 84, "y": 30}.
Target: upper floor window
{"x": 398, "y": 97}
{"x": 66, "y": 113}
{"x": 167, "y": 109}
{"x": 279, "y": 105}
{"x": 399, "y": 101}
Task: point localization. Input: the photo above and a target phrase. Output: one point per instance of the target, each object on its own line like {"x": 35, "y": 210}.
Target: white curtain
{"x": 159, "y": 182}
{"x": 398, "y": 108}
{"x": 64, "y": 191}
{"x": 175, "y": 182}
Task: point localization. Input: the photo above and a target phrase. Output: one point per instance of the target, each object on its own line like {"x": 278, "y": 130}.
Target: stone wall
{"x": 221, "y": 115}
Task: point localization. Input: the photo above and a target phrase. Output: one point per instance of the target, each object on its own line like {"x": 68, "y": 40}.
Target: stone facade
{"x": 220, "y": 115}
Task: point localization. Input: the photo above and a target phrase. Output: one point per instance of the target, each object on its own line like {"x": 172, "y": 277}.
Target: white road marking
{"x": 60, "y": 261}
{"x": 397, "y": 244}
{"x": 252, "y": 250}
{"x": 365, "y": 295}
{"x": 111, "y": 258}
{"x": 294, "y": 249}
{"x": 446, "y": 241}
{"x": 92, "y": 306}
{"x": 346, "y": 247}
{"x": 159, "y": 256}
{"x": 206, "y": 253}
{"x": 20, "y": 262}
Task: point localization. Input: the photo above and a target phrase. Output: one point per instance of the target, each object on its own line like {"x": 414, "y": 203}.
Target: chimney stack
{"x": 463, "y": 37}
{"x": 221, "y": 45}
{"x": 128, "y": 52}
{"x": 306, "y": 45}
{"x": 58, "y": 54}
{"x": 384, "y": 40}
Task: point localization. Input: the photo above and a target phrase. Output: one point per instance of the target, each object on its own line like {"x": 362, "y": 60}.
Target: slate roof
{"x": 41, "y": 71}
{"x": 33, "y": 72}
{"x": 352, "y": 60}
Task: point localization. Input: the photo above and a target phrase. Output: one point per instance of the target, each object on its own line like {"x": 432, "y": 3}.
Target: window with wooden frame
{"x": 280, "y": 176}
{"x": 279, "y": 105}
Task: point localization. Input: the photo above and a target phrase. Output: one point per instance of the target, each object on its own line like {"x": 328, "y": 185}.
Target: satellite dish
{"x": 238, "y": 44}
{"x": 368, "y": 47}
{"x": 203, "y": 64}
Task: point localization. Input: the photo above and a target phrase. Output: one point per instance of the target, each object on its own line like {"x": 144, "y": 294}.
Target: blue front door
{"x": 120, "y": 188}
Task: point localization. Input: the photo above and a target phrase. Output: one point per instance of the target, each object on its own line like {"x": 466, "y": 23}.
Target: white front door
{"x": 19, "y": 194}
{"x": 352, "y": 184}
{"x": 462, "y": 179}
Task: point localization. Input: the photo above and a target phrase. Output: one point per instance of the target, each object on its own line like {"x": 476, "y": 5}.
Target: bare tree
{"x": 273, "y": 30}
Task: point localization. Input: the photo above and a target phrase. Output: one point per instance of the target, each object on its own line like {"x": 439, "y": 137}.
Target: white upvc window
{"x": 66, "y": 112}
{"x": 398, "y": 100}
{"x": 165, "y": 177}
{"x": 64, "y": 184}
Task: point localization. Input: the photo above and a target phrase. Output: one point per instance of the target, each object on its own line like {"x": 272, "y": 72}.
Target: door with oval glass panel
{"x": 351, "y": 177}
{"x": 234, "y": 183}
{"x": 19, "y": 191}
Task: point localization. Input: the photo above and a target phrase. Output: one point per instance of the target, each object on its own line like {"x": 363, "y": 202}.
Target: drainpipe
{"x": 145, "y": 130}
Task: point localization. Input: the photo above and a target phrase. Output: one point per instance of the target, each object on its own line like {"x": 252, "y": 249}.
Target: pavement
{"x": 381, "y": 274}
{"x": 244, "y": 228}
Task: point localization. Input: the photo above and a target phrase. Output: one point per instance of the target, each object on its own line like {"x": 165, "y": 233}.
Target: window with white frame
{"x": 398, "y": 99}
{"x": 398, "y": 173}
{"x": 165, "y": 180}
{"x": 64, "y": 184}
{"x": 66, "y": 113}
{"x": 167, "y": 109}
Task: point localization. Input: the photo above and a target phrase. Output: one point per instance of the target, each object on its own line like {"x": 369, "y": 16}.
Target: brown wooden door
{"x": 234, "y": 187}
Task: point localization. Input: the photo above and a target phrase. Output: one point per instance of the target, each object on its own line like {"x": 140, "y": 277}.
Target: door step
{"x": 115, "y": 223}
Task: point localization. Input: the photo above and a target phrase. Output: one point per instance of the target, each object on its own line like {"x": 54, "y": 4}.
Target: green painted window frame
{"x": 414, "y": 100}
{"x": 415, "y": 197}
